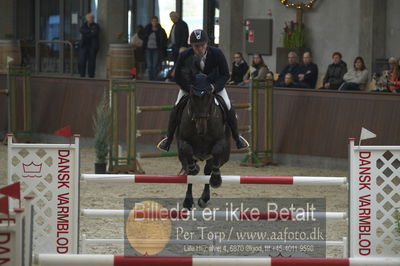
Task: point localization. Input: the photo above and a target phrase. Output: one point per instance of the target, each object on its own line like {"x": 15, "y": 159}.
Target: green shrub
{"x": 101, "y": 127}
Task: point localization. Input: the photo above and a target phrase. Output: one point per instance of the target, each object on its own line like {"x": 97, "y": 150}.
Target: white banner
{"x": 374, "y": 197}
{"x": 50, "y": 173}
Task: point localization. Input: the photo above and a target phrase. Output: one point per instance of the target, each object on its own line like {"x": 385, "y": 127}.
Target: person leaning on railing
{"x": 357, "y": 78}
{"x": 335, "y": 72}
{"x": 293, "y": 68}
{"x": 239, "y": 69}
{"x": 257, "y": 70}
{"x": 394, "y": 76}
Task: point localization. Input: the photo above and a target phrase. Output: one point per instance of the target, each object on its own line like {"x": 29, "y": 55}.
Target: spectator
{"x": 136, "y": 41}
{"x": 137, "y": 45}
{"x": 293, "y": 68}
{"x": 288, "y": 81}
{"x": 88, "y": 46}
{"x": 239, "y": 69}
{"x": 270, "y": 76}
{"x": 179, "y": 34}
{"x": 394, "y": 76}
{"x": 308, "y": 72}
{"x": 258, "y": 69}
{"x": 155, "y": 44}
{"x": 357, "y": 78}
{"x": 335, "y": 72}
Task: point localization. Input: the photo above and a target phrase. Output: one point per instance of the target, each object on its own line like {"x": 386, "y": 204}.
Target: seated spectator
{"x": 239, "y": 69}
{"x": 335, "y": 72}
{"x": 258, "y": 69}
{"x": 357, "y": 78}
{"x": 394, "y": 76}
{"x": 308, "y": 72}
{"x": 288, "y": 81}
{"x": 293, "y": 68}
{"x": 270, "y": 76}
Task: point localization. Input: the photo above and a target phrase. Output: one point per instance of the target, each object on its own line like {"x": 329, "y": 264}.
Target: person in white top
{"x": 357, "y": 78}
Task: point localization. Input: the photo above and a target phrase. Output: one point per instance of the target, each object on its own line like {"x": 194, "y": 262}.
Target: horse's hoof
{"x": 188, "y": 203}
{"x": 215, "y": 180}
{"x": 202, "y": 203}
{"x": 194, "y": 169}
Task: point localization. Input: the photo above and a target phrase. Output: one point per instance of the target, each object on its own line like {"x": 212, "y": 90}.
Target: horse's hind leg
{"x": 205, "y": 196}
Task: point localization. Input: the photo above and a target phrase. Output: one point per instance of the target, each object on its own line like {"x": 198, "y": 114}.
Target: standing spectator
{"x": 88, "y": 46}
{"x": 393, "y": 76}
{"x": 239, "y": 69}
{"x": 137, "y": 45}
{"x": 136, "y": 41}
{"x": 155, "y": 44}
{"x": 335, "y": 72}
{"x": 293, "y": 68}
{"x": 357, "y": 78}
{"x": 308, "y": 72}
{"x": 179, "y": 34}
{"x": 258, "y": 69}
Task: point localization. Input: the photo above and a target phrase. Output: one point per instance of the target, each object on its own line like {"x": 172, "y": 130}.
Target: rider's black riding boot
{"x": 174, "y": 118}
{"x": 241, "y": 143}
{"x": 165, "y": 143}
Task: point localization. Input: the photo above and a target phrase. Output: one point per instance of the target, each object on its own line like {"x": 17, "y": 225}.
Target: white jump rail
{"x": 227, "y": 179}
{"x": 219, "y": 215}
{"x": 121, "y": 260}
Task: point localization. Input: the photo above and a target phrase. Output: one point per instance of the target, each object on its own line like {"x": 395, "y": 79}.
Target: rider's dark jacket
{"x": 216, "y": 69}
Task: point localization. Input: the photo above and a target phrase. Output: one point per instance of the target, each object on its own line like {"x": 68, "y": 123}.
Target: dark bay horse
{"x": 202, "y": 135}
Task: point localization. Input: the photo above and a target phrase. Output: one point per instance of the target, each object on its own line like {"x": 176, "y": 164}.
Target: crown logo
{"x": 32, "y": 170}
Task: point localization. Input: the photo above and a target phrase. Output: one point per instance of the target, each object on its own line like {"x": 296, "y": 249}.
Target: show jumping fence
{"x": 51, "y": 171}
{"x": 257, "y": 155}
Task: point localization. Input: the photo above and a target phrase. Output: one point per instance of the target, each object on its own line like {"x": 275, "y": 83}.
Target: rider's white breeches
{"x": 222, "y": 93}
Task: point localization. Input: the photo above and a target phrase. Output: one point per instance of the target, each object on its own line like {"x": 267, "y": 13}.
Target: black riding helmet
{"x": 198, "y": 37}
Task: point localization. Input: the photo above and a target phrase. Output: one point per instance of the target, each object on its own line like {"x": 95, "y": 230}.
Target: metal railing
{"x": 61, "y": 55}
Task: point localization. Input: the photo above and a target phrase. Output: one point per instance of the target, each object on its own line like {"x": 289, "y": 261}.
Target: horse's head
{"x": 201, "y": 101}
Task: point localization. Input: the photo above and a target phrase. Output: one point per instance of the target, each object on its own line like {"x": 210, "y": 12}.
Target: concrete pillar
{"x": 231, "y": 28}
{"x": 112, "y": 17}
{"x": 372, "y": 34}
{"x": 8, "y": 11}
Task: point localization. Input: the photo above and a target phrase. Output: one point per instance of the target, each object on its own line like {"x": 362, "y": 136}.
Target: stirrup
{"x": 242, "y": 143}
{"x": 164, "y": 144}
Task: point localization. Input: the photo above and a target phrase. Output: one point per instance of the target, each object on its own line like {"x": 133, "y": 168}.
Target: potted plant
{"x": 101, "y": 127}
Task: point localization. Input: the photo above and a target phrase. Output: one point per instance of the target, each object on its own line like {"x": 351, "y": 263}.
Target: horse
{"x": 203, "y": 135}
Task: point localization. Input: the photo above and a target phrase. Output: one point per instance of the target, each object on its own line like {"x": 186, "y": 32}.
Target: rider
{"x": 210, "y": 61}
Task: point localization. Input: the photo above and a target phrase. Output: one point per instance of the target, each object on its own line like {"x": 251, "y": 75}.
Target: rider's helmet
{"x": 198, "y": 37}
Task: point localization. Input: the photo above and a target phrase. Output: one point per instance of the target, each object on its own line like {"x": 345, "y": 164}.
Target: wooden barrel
{"x": 120, "y": 60}
{"x": 9, "y": 48}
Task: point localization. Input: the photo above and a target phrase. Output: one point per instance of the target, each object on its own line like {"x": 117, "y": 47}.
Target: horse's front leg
{"x": 188, "y": 202}
{"x": 186, "y": 157}
{"x": 205, "y": 196}
{"x": 190, "y": 167}
{"x": 217, "y": 153}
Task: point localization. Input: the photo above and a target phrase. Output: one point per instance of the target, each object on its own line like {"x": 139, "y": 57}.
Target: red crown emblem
{"x": 32, "y": 170}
